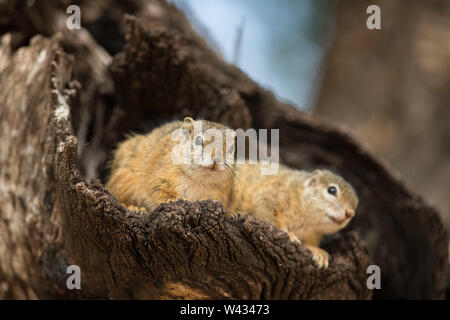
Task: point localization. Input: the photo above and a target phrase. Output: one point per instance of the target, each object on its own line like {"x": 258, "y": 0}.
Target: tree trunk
{"x": 57, "y": 134}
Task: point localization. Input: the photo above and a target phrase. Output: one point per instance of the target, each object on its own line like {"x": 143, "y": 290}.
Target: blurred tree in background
{"x": 282, "y": 42}
{"x": 391, "y": 86}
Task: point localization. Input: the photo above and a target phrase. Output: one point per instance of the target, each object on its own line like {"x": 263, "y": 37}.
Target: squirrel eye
{"x": 231, "y": 149}
{"x": 332, "y": 190}
{"x": 198, "y": 140}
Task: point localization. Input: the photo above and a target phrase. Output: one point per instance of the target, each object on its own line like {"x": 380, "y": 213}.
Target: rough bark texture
{"x": 52, "y": 215}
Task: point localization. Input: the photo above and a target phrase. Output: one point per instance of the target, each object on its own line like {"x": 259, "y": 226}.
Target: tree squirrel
{"x": 144, "y": 173}
{"x": 307, "y": 205}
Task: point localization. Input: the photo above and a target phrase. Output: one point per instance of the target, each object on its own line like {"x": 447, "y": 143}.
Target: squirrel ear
{"x": 188, "y": 123}
{"x": 311, "y": 181}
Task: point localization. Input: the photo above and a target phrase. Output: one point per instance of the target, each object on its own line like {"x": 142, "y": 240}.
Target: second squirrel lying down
{"x": 307, "y": 205}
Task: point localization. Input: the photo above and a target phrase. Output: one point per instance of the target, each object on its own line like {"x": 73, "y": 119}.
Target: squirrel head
{"x": 212, "y": 147}
{"x": 330, "y": 202}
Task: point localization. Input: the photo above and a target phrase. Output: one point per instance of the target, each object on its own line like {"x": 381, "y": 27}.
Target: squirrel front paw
{"x": 320, "y": 257}
{"x": 232, "y": 214}
{"x": 293, "y": 237}
{"x": 134, "y": 208}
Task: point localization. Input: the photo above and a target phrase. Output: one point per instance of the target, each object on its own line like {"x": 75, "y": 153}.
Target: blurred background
{"x": 390, "y": 86}
{"x": 281, "y": 44}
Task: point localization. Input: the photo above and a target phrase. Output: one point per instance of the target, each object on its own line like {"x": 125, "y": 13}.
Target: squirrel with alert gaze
{"x": 144, "y": 174}
{"x": 307, "y": 205}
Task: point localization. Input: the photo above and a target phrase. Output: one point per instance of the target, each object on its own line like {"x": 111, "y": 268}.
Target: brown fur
{"x": 297, "y": 202}
{"x": 143, "y": 173}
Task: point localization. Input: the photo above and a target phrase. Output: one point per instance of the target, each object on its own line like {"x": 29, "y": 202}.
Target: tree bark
{"x": 53, "y": 215}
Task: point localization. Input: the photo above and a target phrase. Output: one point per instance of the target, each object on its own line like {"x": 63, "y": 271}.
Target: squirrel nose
{"x": 349, "y": 213}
